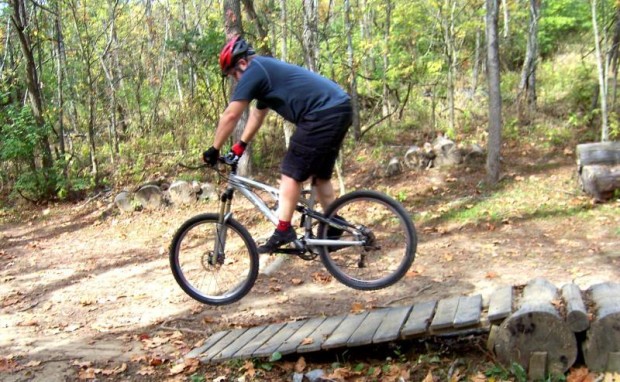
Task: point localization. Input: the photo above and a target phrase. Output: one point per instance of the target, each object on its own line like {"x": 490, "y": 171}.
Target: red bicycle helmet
{"x": 234, "y": 49}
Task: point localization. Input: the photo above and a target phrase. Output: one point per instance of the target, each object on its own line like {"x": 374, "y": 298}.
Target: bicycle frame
{"x": 305, "y": 206}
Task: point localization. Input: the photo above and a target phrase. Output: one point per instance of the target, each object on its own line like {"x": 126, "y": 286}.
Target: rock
{"x": 123, "y": 201}
{"x": 196, "y": 187}
{"x": 207, "y": 192}
{"x": 394, "y": 167}
{"x": 298, "y": 377}
{"x": 315, "y": 375}
{"x": 447, "y": 152}
{"x": 182, "y": 192}
{"x": 417, "y": 157}
{"x": 149, "y": 197}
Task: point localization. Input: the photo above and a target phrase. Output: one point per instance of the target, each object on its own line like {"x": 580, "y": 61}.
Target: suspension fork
{"x": 223, "y": 216}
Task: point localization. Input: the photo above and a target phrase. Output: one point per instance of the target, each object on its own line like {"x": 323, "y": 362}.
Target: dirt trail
{"x": 79, "y": 292}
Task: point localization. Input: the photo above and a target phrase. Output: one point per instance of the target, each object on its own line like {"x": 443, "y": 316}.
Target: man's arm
{"x": 255, "y": 120}
{"x": 228, "y": 121}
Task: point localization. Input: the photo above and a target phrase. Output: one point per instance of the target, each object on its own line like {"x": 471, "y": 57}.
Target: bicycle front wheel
{"x": 213, "y": 263}
{"x": 388, "y": 234}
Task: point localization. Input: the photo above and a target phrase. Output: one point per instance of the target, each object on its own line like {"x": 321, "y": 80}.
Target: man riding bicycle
{"x": 319, "y": 108}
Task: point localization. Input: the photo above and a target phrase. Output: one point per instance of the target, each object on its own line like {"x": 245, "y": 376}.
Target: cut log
{"x": 576, "y": 313}
{"x": 536, "y": 327}
{"x": 603, "y": 339}
{"x": 600, "y": 181}
{"x": 607, "y": 153}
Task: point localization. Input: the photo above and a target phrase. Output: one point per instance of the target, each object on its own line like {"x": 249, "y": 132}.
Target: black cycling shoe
{"x": 278, "y": 239}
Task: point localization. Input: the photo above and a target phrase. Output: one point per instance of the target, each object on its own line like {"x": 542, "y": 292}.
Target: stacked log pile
{"x": 542, "y": 332}
{"x": 442, "y": 152}
{"x": 598, "y": 165}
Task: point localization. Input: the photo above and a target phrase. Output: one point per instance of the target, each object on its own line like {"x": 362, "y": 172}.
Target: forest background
{"x": 103, "y": 94}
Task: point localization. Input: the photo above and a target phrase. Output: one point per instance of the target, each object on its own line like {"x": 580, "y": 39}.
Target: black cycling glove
{"x": 211, "y": 156}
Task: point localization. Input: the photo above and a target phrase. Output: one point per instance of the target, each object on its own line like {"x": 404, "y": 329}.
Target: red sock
{"x": 283, "y": 226}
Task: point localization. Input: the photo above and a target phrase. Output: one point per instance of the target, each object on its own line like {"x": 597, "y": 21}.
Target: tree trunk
{"x": 310, "y": 32}
{"x": 506, "y": 19}
{"x": 288, "y": 127}
{"x": 527, "y": 85}
{"x": 476, "y": 67}
{"x": 263, "y": 47}
{"x": 495, "y": 98}
{"x": 613, "y": 59}
{"x": 386, "y": 60}
{"x": 20, "y": 22}
{"x": 352, "y": 72}
{"x": 233, "y": 27}
{"x": 602, "y": 76}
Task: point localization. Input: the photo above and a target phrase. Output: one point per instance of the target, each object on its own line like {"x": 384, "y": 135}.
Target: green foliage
{"x": 20, "y": 143}
{"x": 515, "y": 371}
{"x": 560, "y": 21}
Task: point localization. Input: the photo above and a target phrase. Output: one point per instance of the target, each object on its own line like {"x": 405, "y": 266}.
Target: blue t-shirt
{"x": 289, "y": 90}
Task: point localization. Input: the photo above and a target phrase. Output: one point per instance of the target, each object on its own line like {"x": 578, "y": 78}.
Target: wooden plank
{"x": 444, "y": 316}
{"x": 221, "y": 344}
{"x": 248, "y": 350}
{"x": 366, "y": 330}
{"x": 195, "y": 353}
{"x": 293, "y": 342}
{"x": 576, "y": 313}
{"x": 418, "y": 320}
{"x": 500, "y": 304}
{"x": 237, "y": 344}
{"x": 468, "y": 311}
{"x": 269, "y": 347}
{"x": 343, "y": 332}
{"x": 321, "y": 333}
{"x": 389, "y": 330}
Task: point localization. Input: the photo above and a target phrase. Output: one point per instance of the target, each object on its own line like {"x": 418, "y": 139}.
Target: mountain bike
{"x": 365, "y": 239}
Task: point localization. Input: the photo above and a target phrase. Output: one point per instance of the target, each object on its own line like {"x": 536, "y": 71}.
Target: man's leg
{"x": 325, "y": 192}
{"x": 284, "y": 233}
{"x": 289, "y": 195}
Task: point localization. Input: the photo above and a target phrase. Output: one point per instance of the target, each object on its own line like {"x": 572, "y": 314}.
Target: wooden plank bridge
{"x": 449, "y": 316}
{"x": 534, "y": 325}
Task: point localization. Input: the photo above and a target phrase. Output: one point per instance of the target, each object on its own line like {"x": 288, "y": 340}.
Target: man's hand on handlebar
{"x": 211, "y": 156}
{"x": 235, "y": 152}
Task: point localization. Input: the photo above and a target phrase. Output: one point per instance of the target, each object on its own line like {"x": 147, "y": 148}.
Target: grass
{"x": 515, "y": 197}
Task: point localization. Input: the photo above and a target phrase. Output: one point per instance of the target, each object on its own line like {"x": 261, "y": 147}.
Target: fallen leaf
{"x": 429, "y": 377}
{"x": 146, "y": 370}
{"x": 307, "y": 341}
{"x": 88, "y": 373}
{"x": 116, "y": 371}
{"x": 297, "y": 281}
{"x": 581, "y": 374}
{"x": 491, "y": 275}
{"x": 478, "y": 378}
{"x": 300, "y": 365}
{"x": 177, "y": 369}
{"x": 321, "y": 278}
{"x": 248, "y": 366}
{"x": 72, "y": 327}
{"x": 357, "y": 307}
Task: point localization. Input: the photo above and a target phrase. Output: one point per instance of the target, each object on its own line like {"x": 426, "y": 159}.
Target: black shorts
{"x": 314, "y": 146}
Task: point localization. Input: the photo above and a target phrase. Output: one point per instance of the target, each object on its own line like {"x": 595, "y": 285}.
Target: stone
{"x": 182, "y": 192}
{"x": 315, "y": 375}
{"x": 208, "y": 192}
{"x": 123, "y": 201}
{"x": 149, "y": 197}
{"x": 394, "y": 167}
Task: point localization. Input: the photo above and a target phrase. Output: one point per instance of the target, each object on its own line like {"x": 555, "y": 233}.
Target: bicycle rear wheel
{"x": 209, "y": 277}
{"x": 389, "y": 236}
